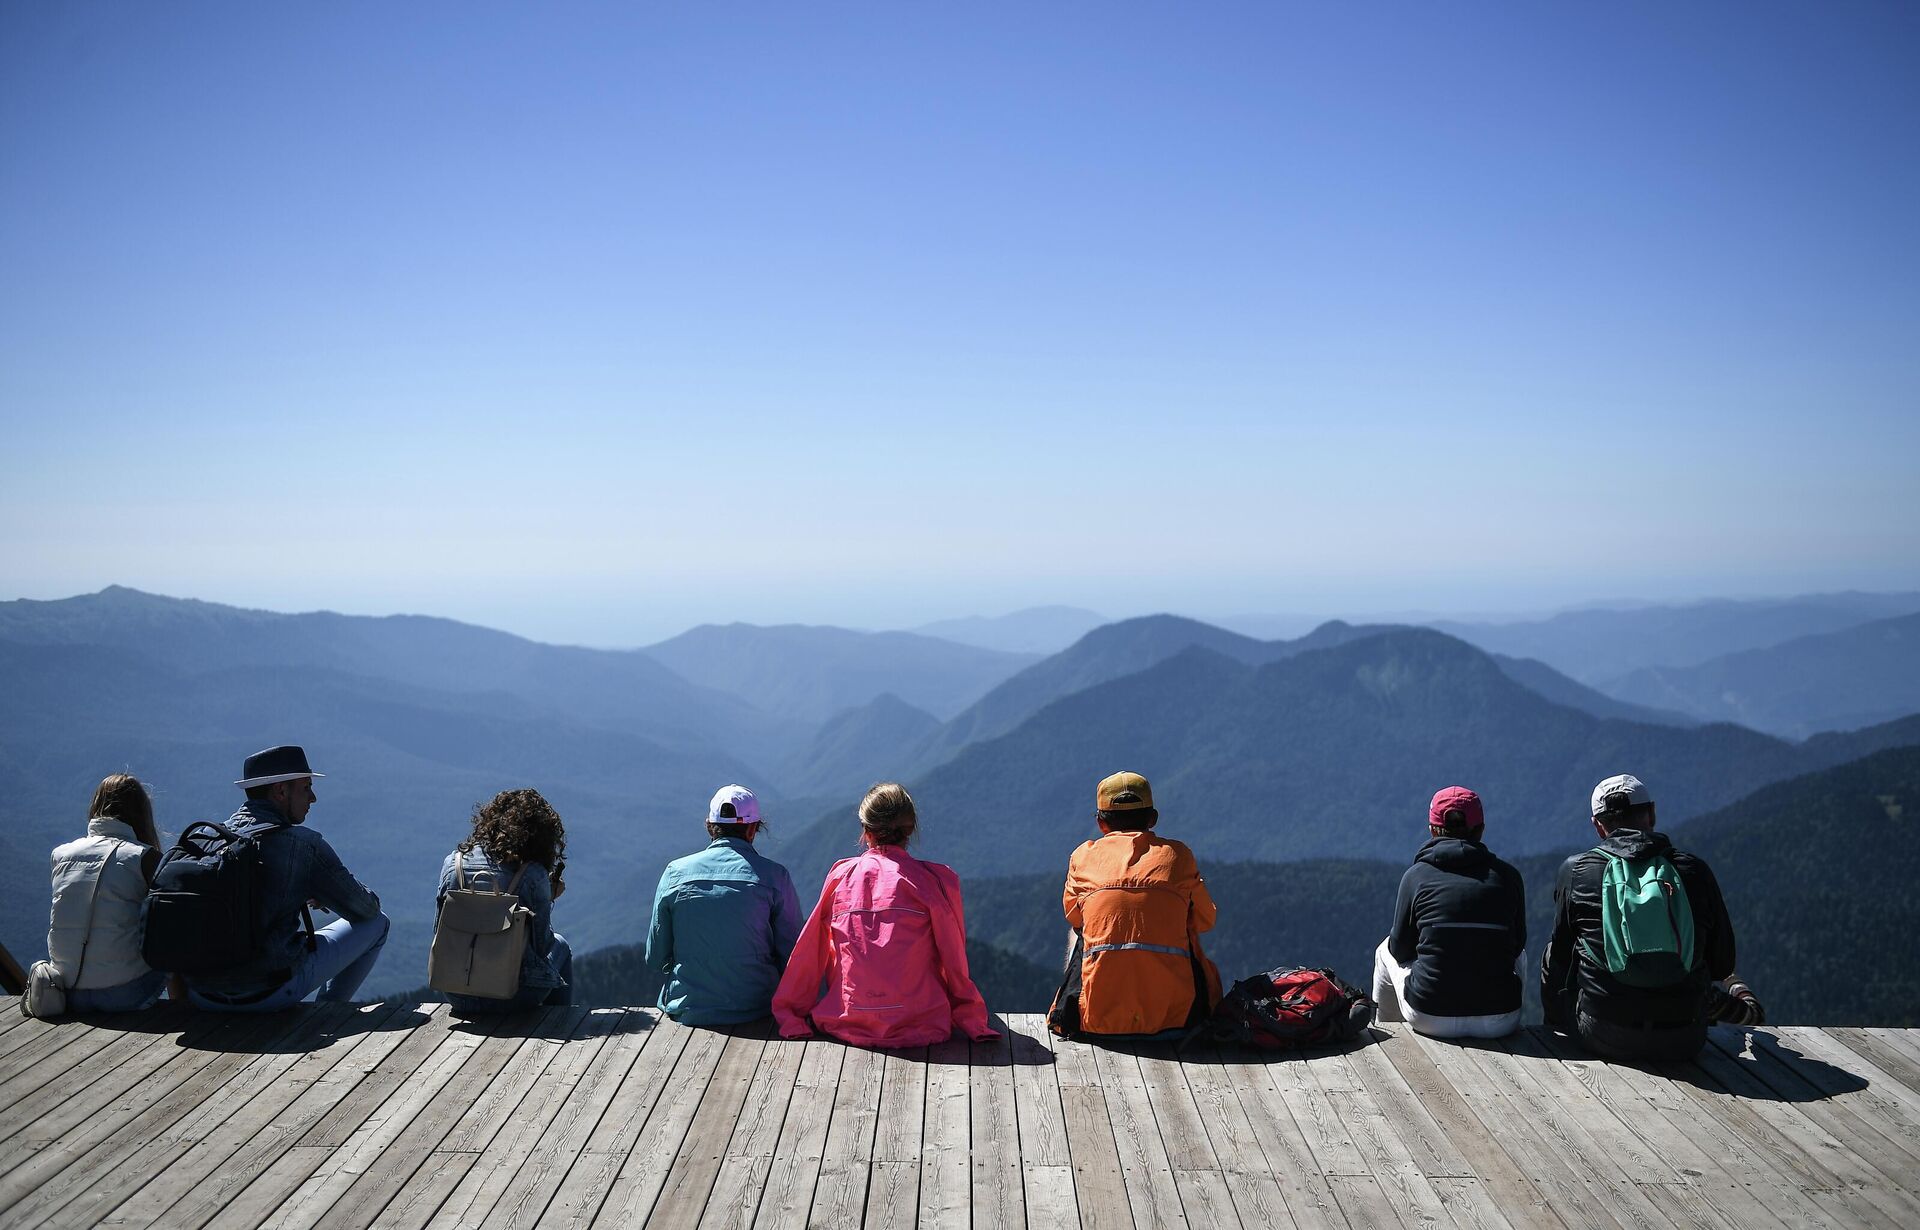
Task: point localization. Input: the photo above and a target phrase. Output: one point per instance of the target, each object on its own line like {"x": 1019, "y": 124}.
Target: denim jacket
{"x": 297, "y": 866}
{"x": 536, "y": 893}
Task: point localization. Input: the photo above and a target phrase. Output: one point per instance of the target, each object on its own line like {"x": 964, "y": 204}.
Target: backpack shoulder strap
{"x": 93, "y": 900}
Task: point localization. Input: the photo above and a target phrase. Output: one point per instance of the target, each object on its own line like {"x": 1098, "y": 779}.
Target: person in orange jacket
{"x": 1137, "y": 906}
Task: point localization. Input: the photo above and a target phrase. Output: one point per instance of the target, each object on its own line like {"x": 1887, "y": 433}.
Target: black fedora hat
{"x": 276, "y": 764}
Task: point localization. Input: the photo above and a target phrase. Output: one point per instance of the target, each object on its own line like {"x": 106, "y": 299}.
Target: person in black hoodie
{"x": 1451, "y": 966}
{"x": 1637, "y": 1019}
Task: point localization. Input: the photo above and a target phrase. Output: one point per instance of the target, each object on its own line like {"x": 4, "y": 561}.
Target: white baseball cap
{"x": 1634, "y": 790}
{"x": 733, "y": 805}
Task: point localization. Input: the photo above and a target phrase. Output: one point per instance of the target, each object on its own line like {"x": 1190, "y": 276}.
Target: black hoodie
{"x": 1459, "y": 924}
{"x": 1571, "y": 985}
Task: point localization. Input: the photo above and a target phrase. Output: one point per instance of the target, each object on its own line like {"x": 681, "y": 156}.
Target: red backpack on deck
{"x": 1287, "y": 1008}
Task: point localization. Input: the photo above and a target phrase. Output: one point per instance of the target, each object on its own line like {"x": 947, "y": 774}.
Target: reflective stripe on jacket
{"x": 889, "y": 938}
{"x": 1140, "y": 906}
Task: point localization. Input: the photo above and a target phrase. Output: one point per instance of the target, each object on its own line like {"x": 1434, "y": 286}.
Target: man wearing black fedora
{"x": 297, "y": 869}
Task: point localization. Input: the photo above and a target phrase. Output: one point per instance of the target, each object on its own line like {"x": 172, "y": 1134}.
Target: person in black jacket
{"x": 1611, "y": 1017}
{"x": 1451, "y": 966}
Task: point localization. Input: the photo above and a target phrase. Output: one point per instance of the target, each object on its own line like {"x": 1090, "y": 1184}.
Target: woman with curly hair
{"x": 518, "y": 833}
{"x": 883, "y": 959}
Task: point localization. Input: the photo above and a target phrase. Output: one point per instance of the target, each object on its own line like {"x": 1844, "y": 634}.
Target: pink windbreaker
{"x": 889, "y": 937}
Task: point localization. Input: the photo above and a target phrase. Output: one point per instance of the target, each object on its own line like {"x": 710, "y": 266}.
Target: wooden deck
{"x": 395, "y": 1115}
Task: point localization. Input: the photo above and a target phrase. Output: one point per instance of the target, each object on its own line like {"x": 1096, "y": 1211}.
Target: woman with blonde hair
{"x": 888, "y": 939}
{"x": 99, "y": 903}
{"x": 518, "y": 839}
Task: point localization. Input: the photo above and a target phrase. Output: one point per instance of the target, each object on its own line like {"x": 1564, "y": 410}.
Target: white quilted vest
{"x": 118, "y": 912}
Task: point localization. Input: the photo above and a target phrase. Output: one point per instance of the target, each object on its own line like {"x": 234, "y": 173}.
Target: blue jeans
{"x": 560, "y": 955}
{"x": 342, "y": 957}
{"x": 142, "y": 992}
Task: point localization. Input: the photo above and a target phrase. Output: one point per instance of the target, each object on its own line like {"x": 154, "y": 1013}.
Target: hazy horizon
{"x": 1306, "y": 619}
{"x": 598, "y": 324}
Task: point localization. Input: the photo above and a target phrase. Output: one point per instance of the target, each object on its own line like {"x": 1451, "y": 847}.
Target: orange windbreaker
{"x": 1140, "y": 906}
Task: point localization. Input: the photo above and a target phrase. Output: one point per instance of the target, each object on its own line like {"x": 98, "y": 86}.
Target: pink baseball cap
{"x": 1456, "y": 799}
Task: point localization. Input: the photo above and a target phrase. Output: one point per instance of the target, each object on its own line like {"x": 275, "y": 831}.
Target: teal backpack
{"x": 1646, "y": 922}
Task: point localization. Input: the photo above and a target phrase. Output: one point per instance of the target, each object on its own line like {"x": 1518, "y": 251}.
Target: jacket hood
{"x": 1454, "y": 854}
{"x": 1636, "y": 844}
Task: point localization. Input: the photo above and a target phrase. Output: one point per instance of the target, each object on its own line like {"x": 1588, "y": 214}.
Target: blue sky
{"x": 596, "y": 321}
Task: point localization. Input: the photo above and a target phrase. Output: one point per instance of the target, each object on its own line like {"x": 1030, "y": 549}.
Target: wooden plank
{"x": 56, "y": 1108}
{"x": 573, "y": 1116}
{"x": 893, "y": 1195}
{"x": 1613, "y": 1142}
{"x": 1152, "y": 1194}
{"x": 1882, "y": 1052}
{"x": 1387, "y": 1157}
{"x": 589, "y": 1178}
{"x": 386, "y": 1176}
{"x": 235, "y": 1155}
{"x": 1873, "y": 1137}
{"x": 1404, "y": 1080}
{"x": 1694, "y": 1142}
{"x": 1907, "y": 1041}
{"x": 344, "y": 1163}
{"x": 638, "y": 1182}
{"x": 795, "y": 1166}
{"x": 495, "y": 1108}
{"x": 946, "y": 1179}
{"x": 1788, "y": 1137}
{"x": 689, "y": 1180}
{"x": 431, "y": 1025}
{"x": 1362, "y": 1202}
{"x": 840, "y": 1189}
{"x": 1045, "y": 1153}
{"x": 419, "y": 1200}
{"x": 485, "y": 1184}
{"x": 999, "y": 1178}
{"x": 903, "y": 1108}
{"x": 1506, "y": 1123}
{"x": 1099, "y": 1175}
{"x": 1205, "y": 1200}
{"x": 1305, "y": 1100}
{"x": 1256, "y": 1186}
{"x": 1196, "y": 1167}
{"x": 22, "y": 1030}
{"x": 1290, "y": 1159}
{"x": 744, "y": 1170}
{"x": 53, "y": 1054}
{"x": 1573, "y": 1126}
{"x": 1838, "y": 1072}
{"x": 167, "y": 1166}
{"x": 56, "y": 1176}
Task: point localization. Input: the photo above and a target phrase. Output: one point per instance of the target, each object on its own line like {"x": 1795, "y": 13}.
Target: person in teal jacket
{"x": 724, "y": 921}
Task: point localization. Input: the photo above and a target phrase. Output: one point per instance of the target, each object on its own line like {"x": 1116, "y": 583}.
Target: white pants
{"x": 1389, "y": 979}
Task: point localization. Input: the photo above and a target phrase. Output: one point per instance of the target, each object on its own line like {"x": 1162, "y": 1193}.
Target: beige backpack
{"x": 479, "y": 939}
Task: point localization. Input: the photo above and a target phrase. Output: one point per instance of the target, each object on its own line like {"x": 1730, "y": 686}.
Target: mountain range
{"x": 1598, "y": 646}
{"x": 1321, "y": 747}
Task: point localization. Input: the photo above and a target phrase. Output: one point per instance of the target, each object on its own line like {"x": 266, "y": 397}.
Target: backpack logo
{"x": 1646, "y": 922}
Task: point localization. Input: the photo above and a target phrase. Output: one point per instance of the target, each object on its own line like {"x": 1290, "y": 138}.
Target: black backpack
{"x": 205, "y": 913}
{"x": 1287, "y": 1008}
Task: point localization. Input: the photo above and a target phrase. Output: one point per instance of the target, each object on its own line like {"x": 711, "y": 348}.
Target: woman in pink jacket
{"x": 890, "y": 941}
